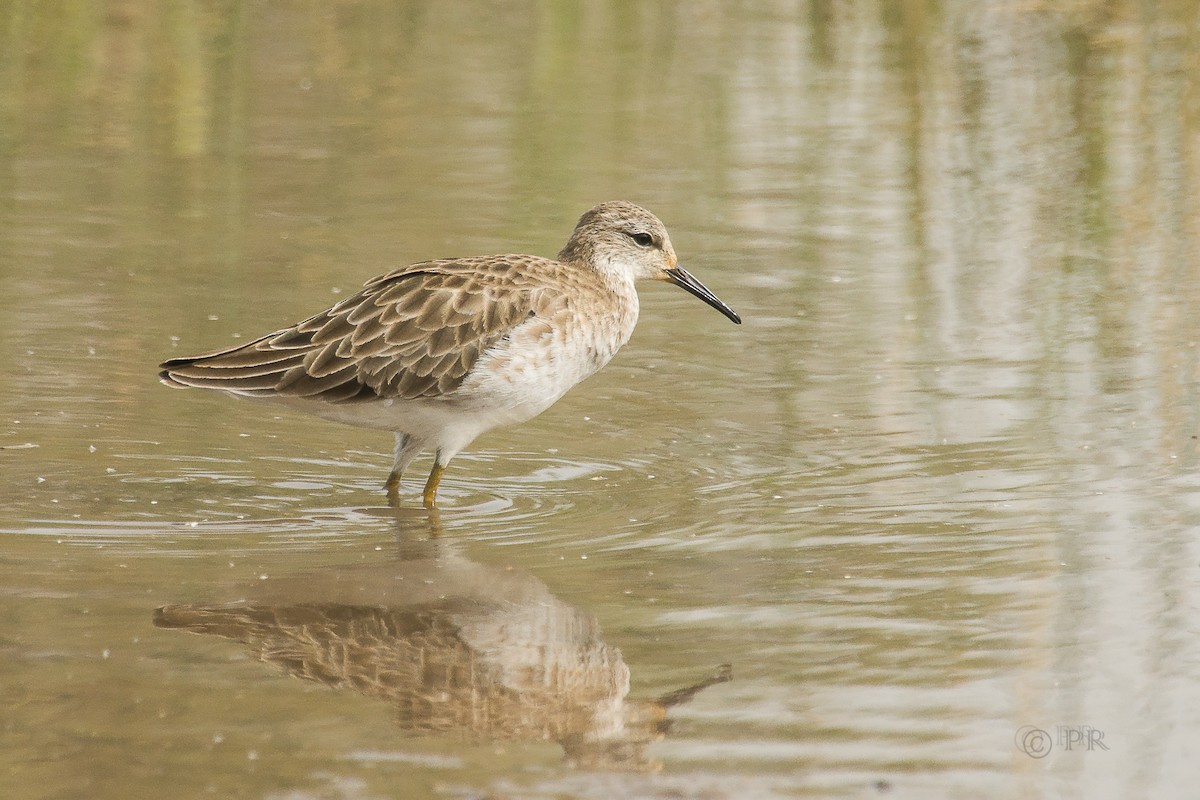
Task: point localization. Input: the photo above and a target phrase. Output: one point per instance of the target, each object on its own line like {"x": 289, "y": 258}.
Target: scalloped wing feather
{"x": 415, "y": 332}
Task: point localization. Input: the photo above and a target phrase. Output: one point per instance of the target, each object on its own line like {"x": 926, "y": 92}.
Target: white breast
{"x": 542, "y": 358}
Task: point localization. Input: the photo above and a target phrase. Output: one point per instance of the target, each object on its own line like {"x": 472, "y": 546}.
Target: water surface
{"x": 937, "y": 497}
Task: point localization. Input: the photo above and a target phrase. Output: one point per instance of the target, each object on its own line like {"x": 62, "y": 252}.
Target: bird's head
{"x": 628, "y": 241}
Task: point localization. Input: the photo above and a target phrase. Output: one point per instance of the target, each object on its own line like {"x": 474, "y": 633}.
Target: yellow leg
{"x": 392, "y": 487}
{"x": 431, "y": 485}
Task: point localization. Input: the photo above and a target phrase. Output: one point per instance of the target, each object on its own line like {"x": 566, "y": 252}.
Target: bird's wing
{"x": 415, "y": 332}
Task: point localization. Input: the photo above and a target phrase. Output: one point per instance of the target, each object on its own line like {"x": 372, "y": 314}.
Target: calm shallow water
{"x": 939, "y": 491}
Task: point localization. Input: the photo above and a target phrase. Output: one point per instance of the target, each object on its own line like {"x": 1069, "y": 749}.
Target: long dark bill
{"x": 683, "y": 279}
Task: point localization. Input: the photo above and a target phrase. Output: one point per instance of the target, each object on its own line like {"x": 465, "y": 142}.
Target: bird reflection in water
{"x": 455, "y": 647}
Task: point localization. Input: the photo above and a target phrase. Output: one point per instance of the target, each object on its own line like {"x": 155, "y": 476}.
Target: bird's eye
{"x": 642, "y": 239}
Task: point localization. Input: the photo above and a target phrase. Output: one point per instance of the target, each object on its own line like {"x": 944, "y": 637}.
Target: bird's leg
{"x": 431, "y": 485}
{"x": 392, "y": 487}
{"x": 406, "y": 450}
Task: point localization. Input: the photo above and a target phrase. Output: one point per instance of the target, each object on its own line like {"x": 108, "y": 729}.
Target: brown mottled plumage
{"x": 442, "y": 351}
